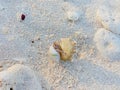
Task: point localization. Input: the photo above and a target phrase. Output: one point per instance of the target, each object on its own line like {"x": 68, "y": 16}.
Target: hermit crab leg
{"x": 58, "y": 49}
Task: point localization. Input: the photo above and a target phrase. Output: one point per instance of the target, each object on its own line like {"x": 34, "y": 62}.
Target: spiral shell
{"x": 66, "y": 48}
{"x": 53, "y": 54}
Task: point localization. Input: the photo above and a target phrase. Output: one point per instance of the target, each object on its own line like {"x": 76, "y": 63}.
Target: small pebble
{"x": 32, "y": 41}
{"x": 73, "y": 15}
{"x": 22, "y": 17}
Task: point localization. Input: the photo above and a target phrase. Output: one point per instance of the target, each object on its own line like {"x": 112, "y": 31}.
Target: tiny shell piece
{"x": 53, "y": 54}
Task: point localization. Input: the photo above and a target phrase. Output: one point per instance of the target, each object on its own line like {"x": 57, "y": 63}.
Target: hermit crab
{"x": 62, "y": 49}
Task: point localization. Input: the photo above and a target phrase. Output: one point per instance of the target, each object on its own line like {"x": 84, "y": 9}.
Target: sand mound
{"x": 108, "y": 15}
{"x": 108, "y": 44}
{"x": 19, "y": 77}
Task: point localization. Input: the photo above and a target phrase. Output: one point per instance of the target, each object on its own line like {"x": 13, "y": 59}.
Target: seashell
{"x": 68, "y": 48}
{"x": 53, "y": 54}
{"x": 65, "y": 48}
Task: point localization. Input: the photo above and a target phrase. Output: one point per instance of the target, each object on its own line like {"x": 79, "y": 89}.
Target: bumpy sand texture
{"x": 108, "y": 44}
{"x": 72, "y": 13}
{"x": 19, "y": 77}
{"x": 27, "y": 42}
{"x": 109, "y": 15}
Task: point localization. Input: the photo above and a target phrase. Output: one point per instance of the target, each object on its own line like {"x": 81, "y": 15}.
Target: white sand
{"x": 48, "y": 20}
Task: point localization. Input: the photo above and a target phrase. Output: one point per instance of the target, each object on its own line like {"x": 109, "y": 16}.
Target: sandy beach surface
{"x": 93, "y": 24}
